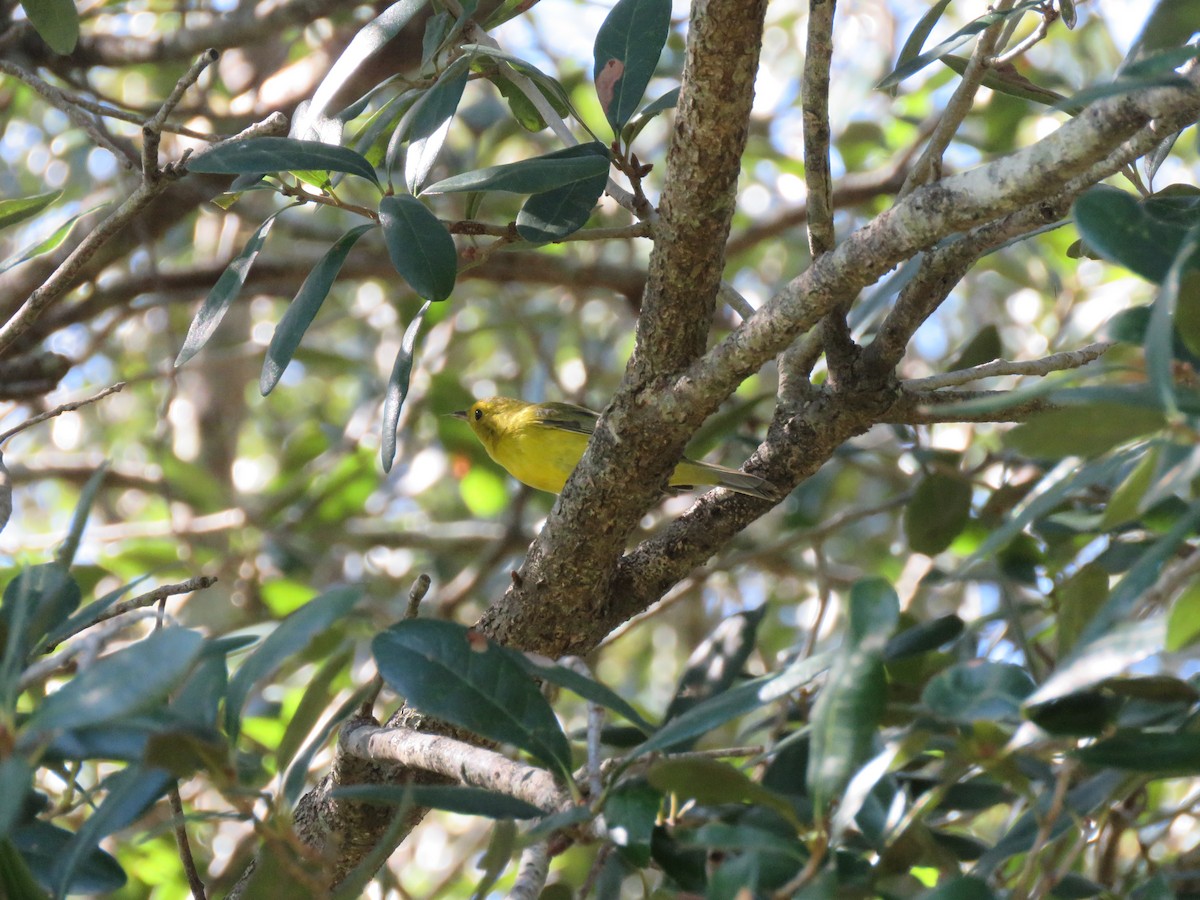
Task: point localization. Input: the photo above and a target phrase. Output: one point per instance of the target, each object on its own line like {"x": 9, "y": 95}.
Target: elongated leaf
{"x": 1086, "y": 431}
{"x": 584, "y": 687}
{"x": 397, "y": 388}
{"x": 293, "y": 781}
{"x": 369, "y": 39}
{"x": 956, "y": 40}
{"x": 1160, "y": 333}
{"x": 450, "y": 673}
{"x": 120, "y": 684}
{"x": 129, "y": 794}
{"x": 554, "y": 214}
{"x": 1156, "y": 753}
{"x": 83, "y": 509}
{"x": 419, "y": 247}
{"x": 466, "y": 801}
{"x": 34, "y": 602}
{"x": 16, "y": 780}
{"x": 18, "y": 209}
{"x": 548, "y": 87}
{"x": 316, "y": 699}
{"x": 254, "y": 156}
{"x": 1171, "y": 23}
{"x": 41, "y": 847}
{"x": 430, "y": 122}
{"x": 1111, "y": 654}
{"x": 938, "y": 512}
{"x": 712, "y": 781}
{"x": 715, "y": 664}
{"x": 627, "y": 49}
{"x": 55, "y": 21}
{"x": 978, "y": 691}
{"x": 45, "y": 245}
{"x": 1011, "y": 82}
{"x": 730, "y": 704}
{"x": 224, "y": 292}
{"x": 968, "y": 887}
{"x": 915, "y": 42}
{"x": 923, "y": 637}
{"x": 646, "y": 115}
{"x": 531, "y": 176}
{"x": 304, "y": 308}
{"x": 849, "y": 708}
{"x": 293, "y": 634}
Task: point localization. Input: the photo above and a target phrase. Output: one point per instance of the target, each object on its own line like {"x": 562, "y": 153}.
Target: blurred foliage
{"x": 955, "y": 667}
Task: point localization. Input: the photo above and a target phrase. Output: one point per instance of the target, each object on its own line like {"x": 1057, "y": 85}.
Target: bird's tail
{"x": 689, "y": 473}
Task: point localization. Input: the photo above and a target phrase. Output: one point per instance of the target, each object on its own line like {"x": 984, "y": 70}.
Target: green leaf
{"x": 1141, "y": 236}
{"x": 923, "y": 637}
{"x": 459, "y": 676}
{"x": 429, "y": 123}
{"x": 34, "y": 602}
{"x": 915, "y": 42}
{"x": 1078, "y": 599}
{"x": 397, "y": 388}
{"x": 984, "y": 346}
{"x": 369, "y": 39}
{"x": 938, "y": 512}
{"x": 1183, "y": 621}
{"x": 254, "y": 156}
{"x": 466, "y": 801}
{"x": 956, "y": 40}
{"x": 121, "y": 684}
{"x": 55, "y": 21}
{"x": 83, "y": 509}
{"x": 42, "y": 846}
{"x": 736, "y": 701}
{"x": 45, "y": 245}
{"x": 531, "y": 176}
{"x": 1125, "y": 505}
{"x": 849, "y": 709}
{"x": 1156, "y": 753}
{"x": 19, "y": 209}
{"x": 16, "y": 780}
{"x": 1087, "y": 430}
{"x": 16, "y": 878}
{"x": 313, "y": 705}
{"x": 978, "y": 691}
{"x": 554, "y": 214}
{"x": 1093, "y": 661}
{"x": 1170, "y": 24}
{"x": 585, "y": 687}
{"x": 1177, "y": 288}
{"x": 711, "y": 781}
{"x": 966, "y": 887}
{"x": 419, "y": 247}
{"x": 304, "y": 307}
{"x": 628, "y": 46}
{"x": 129, "y": 793}
{"x": 715, "y": 664}
{"x": 638, "y": 123}
{"x": 224, "y": 292}
{"x": 630, "y": 814}
{"x": 292, "y": 635}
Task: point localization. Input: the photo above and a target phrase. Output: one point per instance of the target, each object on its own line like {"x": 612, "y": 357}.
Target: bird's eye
{"x": 478, "y": 414}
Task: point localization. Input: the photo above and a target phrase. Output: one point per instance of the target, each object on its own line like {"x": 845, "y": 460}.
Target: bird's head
{"x": 492, "y": 418}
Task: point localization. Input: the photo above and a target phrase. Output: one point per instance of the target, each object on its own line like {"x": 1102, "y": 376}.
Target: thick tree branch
{"x": 724, "y": 39}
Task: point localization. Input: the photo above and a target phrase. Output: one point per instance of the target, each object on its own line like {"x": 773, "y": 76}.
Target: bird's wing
{"x": 566, "y": 416}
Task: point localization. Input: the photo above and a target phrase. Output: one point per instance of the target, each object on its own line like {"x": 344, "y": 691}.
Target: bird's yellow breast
{"x": 539, "y": 456}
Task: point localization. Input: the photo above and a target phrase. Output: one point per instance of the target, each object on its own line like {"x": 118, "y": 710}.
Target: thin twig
{"x": 199, "y": 583}
{"x": 184, "y": 845}
{"x": 60, "y": 100}
{"x": 815, "y": 99}
{"x": 532, "y": 873}
{"x": 927, "y": 166}
{"x": 59, "y": 410}
{"x": 1049, "y": 14}
{"x": 416, "y": 594}
{"x": 152, "y": 129}
{"x": 1057, "y": 362}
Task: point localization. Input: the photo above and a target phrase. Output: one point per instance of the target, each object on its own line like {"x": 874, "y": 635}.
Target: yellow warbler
{"x": 541, "y": 443}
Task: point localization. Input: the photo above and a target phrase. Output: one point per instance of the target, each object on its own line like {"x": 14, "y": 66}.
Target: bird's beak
{"x": 459, "y": 414}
